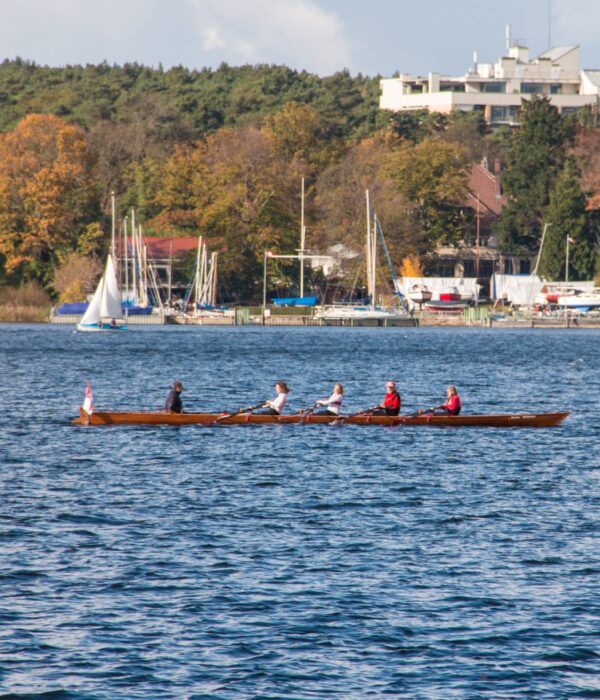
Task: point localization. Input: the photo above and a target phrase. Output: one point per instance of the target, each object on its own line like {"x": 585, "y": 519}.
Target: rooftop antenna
{"x": 549, "y": 24}
{"x": 507, "y": 38}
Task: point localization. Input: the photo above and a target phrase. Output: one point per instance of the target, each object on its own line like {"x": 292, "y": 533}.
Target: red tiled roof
{"x": 165, "y": 247}
{"x": 484, "y": 187}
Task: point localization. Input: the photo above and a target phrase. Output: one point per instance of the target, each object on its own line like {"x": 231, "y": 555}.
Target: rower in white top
{"x": 276, "y": 406}
{"x": 333, "y": 403}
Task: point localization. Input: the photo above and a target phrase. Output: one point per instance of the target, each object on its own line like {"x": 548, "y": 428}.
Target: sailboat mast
{"x": 374, "y": 262}
{"x": 213, "y": 279}
{"x": 197, "y": 275}
{"x": 133, "y": 258}
{"x": 126, "y": 242}
{"x": 145, "y": 274}
{"x": 302, "y": 241}
{"x": 144, "y": 268}
{"x": 112, "y": 228}
{"x": 369, "y": 248}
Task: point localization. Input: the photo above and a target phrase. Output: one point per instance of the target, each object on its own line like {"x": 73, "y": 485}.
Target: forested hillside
{"x": 187, "y": 103}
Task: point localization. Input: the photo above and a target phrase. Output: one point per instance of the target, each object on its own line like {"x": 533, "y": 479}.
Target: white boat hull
{"x": 419, "y": 297}
{"x": 580, "y": 301}
{"x": 99, "y": 328}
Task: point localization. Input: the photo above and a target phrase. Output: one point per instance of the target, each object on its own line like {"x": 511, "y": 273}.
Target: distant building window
{"x": 493, "y": 87}
{"x": 444, "y": 269}
{"x": 504, "y": 114}
{"x": 469, "y": 268}
{"x": 451, "y": 88}
{"x": 556, "y": 89}
{"x": 524, "y": 267}
{"x": 486, "y": 268}
{"x": 531, "y": 88}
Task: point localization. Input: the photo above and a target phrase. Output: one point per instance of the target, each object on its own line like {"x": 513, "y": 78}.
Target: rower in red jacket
{"x": 452, "y": 405}
{"x": 391, "y": 403}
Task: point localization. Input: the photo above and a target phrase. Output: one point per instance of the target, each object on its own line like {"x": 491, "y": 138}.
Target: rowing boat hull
{"x": 508, "y": 420}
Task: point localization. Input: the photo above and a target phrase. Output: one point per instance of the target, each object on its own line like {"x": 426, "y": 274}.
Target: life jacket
{"x": 392, "y": 403}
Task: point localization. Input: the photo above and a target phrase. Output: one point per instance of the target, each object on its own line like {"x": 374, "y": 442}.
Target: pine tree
{"x": 566, "y": 214}
{"x": 536, "y": 156}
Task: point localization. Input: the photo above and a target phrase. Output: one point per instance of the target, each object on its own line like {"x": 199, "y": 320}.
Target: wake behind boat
{"x": 508, "y": 420}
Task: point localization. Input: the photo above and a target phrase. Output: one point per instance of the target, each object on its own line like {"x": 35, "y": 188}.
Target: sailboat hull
{"x": 99, "y": 327}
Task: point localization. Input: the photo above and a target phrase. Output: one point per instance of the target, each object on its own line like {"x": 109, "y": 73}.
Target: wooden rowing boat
{"x": 507, "y": 420}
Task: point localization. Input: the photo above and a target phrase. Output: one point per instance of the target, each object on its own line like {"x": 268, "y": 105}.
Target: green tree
{"x": 432, "y": 176}
{"x": 535, "y": 158}
{"x": 566, "y": 214}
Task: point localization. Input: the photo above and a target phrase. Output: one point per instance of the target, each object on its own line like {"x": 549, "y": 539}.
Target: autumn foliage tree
{"x": 432, "y": 176}
{"x": 46, "y": 198}
{"x": 236, "y": 188}
{"x": 341, "y": 202}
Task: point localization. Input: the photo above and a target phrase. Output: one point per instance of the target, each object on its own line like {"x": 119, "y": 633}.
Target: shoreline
{"x": 569, "y": 323}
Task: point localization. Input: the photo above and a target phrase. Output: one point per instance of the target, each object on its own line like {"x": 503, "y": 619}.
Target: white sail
{"x": 105, "y": 304}
{"x": 92, "y": 313}
{"x": 110, "y": 306}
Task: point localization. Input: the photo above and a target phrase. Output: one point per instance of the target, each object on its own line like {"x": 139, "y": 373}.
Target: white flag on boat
{"x": 88, "y": 402}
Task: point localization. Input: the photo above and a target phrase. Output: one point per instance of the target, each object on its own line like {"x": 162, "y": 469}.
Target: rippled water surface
{"x": 298, "y": 561}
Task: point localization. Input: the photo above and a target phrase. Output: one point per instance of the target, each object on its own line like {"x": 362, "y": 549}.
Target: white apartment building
{"x": 496, "y": 89}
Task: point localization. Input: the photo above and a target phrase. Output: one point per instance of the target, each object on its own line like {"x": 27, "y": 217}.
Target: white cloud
{"x": 212, "y": 39}
{"x": 295, "y": 32}
{"x": 196, "y": 33}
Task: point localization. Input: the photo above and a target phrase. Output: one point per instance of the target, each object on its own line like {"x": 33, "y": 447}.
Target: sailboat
{"x": 104, "y": 311}
{"x": 371, "y": 311}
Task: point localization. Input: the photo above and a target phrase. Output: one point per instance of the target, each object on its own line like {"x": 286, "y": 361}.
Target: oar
{"x": 237, "y": 413}
{"x": 341, "y": 420}
{"x": 426, "y": 412}
{"x": 310, "y": 409}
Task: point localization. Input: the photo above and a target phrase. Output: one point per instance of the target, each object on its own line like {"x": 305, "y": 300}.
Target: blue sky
{"x": 322, "y": 36}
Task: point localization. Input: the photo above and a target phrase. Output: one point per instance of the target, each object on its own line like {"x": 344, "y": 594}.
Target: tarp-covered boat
{"x": 507, "y": 420}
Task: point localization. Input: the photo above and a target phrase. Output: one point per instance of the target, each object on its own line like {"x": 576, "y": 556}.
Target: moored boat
{"x": 445, "y": 306}
{"x": 507, "y": 420}
{"x": 580, "y": 300}
{"x": 419, "y": 294}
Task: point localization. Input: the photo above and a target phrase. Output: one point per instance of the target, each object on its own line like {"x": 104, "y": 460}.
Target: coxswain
{"x": 174, "y": 403}
{"x": 453, "y": 404}
{"x": 275, "y": 407}
{"x": 333, "y": 403}
{"x": 391, "y": 403}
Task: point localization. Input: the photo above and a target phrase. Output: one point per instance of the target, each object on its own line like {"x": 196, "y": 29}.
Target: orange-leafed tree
{"x": 46, "y": 194}
{"x": 411, "y": 267}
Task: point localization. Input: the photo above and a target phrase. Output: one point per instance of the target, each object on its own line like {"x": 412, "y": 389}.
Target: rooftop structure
{"x": 496, "y": 90}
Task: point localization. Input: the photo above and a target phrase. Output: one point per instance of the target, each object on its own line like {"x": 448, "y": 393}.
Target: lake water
{"x": 299, "y": 561}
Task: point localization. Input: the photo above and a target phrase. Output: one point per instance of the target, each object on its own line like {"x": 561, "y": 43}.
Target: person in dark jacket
{"x": 174, "y": 403}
